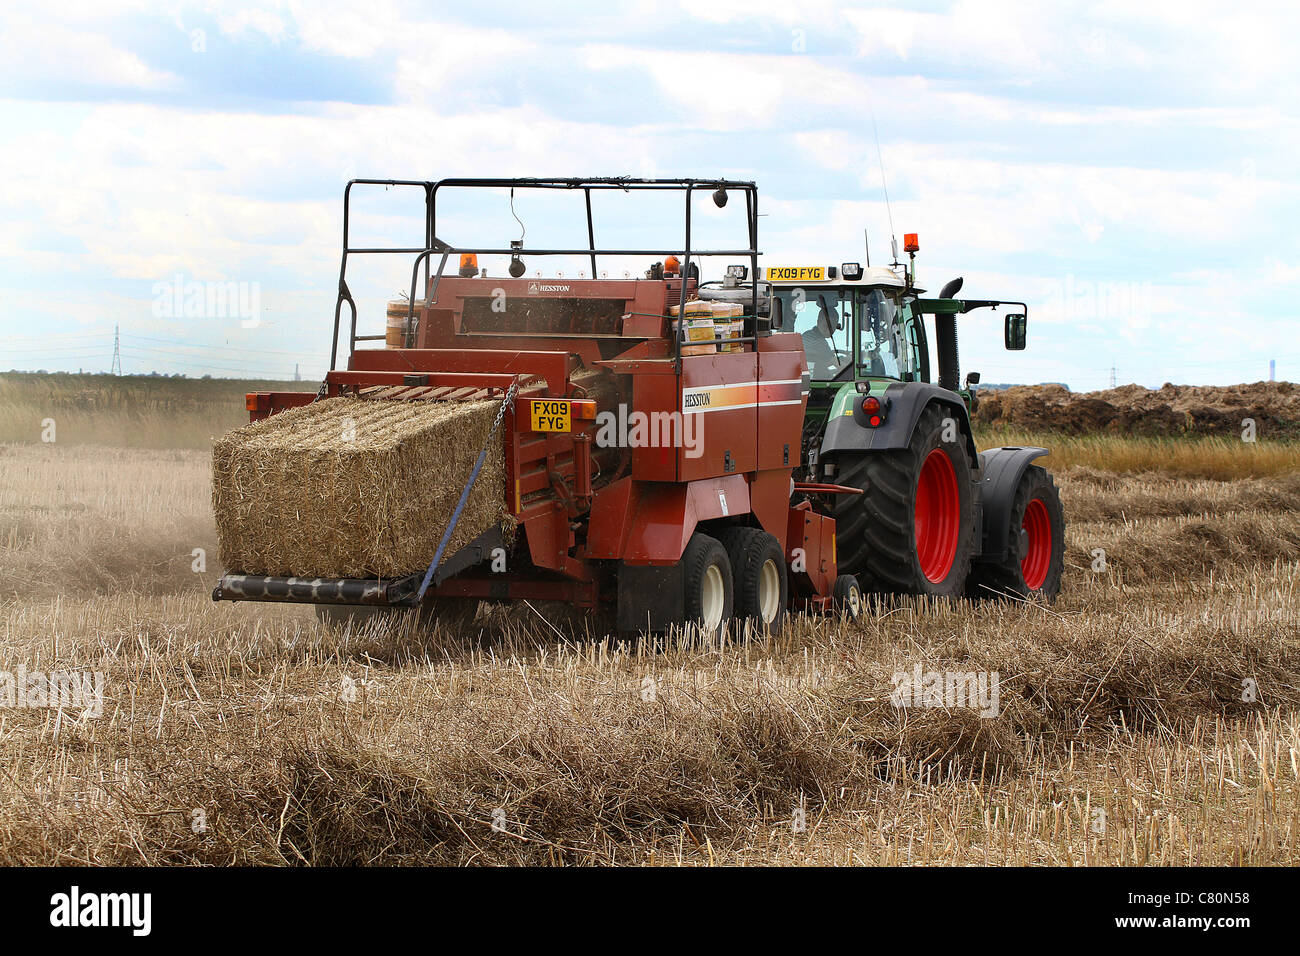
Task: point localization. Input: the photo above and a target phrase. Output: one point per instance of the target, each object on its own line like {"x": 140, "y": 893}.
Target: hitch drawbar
{"x": 382, "y": 592}
{"x": 398, "y": 592}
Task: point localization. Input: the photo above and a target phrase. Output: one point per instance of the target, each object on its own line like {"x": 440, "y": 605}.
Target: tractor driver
{"x": 824, "y": 361}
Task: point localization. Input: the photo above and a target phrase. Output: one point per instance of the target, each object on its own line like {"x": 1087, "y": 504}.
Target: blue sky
{"x": 1127, "y": 169}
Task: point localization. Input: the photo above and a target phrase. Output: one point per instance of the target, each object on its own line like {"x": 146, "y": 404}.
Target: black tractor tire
{"x": 1036, "y": 553}
{"x": 759, "y": 580}
{"x": 847, "y": 597}
{"x": 878, "y": 535}
{"x": 706, "y": 576}
{"x": 451, "y": 613}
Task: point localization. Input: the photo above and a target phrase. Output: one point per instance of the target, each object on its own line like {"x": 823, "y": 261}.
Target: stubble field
{"x": 1150, "y": 716}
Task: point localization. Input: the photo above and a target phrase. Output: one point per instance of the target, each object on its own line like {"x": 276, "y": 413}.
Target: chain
{"x": 505, "y": 403}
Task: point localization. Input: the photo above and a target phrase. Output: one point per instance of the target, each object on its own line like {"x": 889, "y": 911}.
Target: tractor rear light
{"x": 851, "y": 270}
{"x": 874, "y": 411}
{"x": 911, "y": 243}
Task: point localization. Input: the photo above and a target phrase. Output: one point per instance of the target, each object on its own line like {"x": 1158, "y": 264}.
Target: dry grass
{"x": 1214, "y": 457}
{"x": 79, "y": 522}
{"x": 1123, "y": 704}
{"x": 247, "y": 717}
{"x": 127, "y": 411}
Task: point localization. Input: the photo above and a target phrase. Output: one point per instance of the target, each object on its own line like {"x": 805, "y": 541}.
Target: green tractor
{"x": 936, "y": 515}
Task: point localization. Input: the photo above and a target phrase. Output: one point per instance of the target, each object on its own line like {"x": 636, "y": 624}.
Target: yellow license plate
{"x": 796, "y": 274}
{"x": 548, "y": 415}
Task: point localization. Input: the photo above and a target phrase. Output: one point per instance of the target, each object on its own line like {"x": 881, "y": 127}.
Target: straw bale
{"x": 349, "y": 487}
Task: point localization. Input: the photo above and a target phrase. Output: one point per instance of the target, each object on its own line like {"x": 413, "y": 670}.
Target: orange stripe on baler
{"x": 746, "y": 395}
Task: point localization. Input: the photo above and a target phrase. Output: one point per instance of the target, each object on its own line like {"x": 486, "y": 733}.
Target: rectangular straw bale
{"x": 348, "y": 487}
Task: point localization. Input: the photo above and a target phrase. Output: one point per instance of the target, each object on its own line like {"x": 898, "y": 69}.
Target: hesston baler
{"x": 661, "y": 485}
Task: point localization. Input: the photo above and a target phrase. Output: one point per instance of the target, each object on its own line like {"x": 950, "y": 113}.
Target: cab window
{"x": 824, "y": 319}
{"x": 891, "y": 342}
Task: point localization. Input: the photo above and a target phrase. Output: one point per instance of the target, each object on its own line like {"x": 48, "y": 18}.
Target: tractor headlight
{"x": 851, "y": 270}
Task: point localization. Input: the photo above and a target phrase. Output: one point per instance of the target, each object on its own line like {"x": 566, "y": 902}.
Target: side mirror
{"x": 1013, "y": 332}
{"x": 972, "y": 378}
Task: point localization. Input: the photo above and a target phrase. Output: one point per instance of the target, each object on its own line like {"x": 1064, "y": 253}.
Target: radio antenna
{"x": 880, "y": 157}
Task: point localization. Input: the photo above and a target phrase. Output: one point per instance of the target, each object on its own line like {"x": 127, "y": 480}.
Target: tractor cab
{"x": 851, "y": 330}
{"x": 863, "y": 330}
{"x": 860, "y": 330}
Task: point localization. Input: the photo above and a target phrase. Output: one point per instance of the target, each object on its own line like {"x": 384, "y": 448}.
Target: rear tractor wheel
{"x": 912, "y": 529}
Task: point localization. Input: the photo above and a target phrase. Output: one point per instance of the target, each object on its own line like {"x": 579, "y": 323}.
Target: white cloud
{"x": 253, "y": 20}
{"x": 35, "y": 50}
{"x": 1026, "y": 183}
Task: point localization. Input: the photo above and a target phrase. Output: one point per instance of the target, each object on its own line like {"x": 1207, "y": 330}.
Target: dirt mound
{"x": 1132, "y": 409}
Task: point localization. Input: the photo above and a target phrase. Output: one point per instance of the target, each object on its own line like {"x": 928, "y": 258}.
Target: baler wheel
{"x": 911, "y": 531}
{"x": 758, "y": 575}
{"x": 706, "y": 575}
{"x": 848, "y": 598}
{"x": 1036, "y": 558}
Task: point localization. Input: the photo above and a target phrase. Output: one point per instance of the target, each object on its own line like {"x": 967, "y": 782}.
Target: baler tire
{"x": 752, "y": 552}
{"x": 705, "y": 567}
{"x": 847, "y": 597}
{"x": 876, "y": 532}
{"x": 1037, "y": 509}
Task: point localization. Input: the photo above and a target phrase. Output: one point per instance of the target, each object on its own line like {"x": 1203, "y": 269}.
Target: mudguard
{"x": 1002, "y": 469}
{"x": 906, "y": 401}
{"x": 650, "y": 598}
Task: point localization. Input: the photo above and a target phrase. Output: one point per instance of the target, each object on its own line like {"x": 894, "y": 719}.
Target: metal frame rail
{"x": 434, "y": 246}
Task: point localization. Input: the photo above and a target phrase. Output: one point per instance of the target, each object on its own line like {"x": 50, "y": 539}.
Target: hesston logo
{"x": 697, "y": 399}
{"x": 535, "y": 287}
{"x": 75, "y": 908}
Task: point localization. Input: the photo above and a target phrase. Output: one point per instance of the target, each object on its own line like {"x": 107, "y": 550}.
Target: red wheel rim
{"x": 1038, "y": 549}
{"x": 938, "y": 516}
